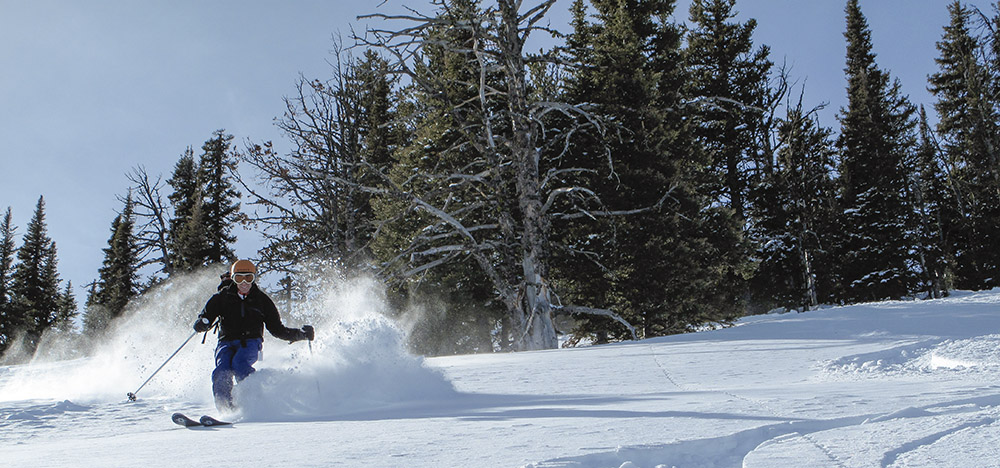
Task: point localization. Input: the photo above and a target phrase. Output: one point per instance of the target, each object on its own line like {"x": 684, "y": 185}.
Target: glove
{"x": 309, "y": 332}
{"x": 202, "y": 325}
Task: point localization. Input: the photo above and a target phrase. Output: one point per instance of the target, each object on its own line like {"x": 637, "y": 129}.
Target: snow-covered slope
{"x": 894, "y": 384}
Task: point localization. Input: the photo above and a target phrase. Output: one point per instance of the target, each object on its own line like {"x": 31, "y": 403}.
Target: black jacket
{"x": 244, "y": 319}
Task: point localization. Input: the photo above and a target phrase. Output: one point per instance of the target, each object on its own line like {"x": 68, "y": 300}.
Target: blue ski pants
{"x": 233, "y": 360}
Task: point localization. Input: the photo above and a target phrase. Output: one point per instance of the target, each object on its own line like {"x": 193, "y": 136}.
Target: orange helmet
{"x": 244, "y": 267}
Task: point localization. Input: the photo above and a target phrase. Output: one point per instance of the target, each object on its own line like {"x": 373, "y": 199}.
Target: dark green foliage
{"x": 67, "y": 311}
{"x": 428, "y": 166}
{"x": 970, "y": 139}
{"x": 35, "y": 283}
{"x": 729, "y": 80}
{"x": 187, "y": 237}
{"x": 875, "y": 251}
{"x": 220, "y": 206}
{"x": 118, "y": 281}
{"x": 206, "y": 206}
{"x": 191, "y": 239}
{"x": 451, "y": 315}
{"x": 728, "y": 86}
{"x": 9, "y": 320}
{"x": 671, "y": 264}
{"x": 932, "y": 199}
{"x": 795, "y": 205}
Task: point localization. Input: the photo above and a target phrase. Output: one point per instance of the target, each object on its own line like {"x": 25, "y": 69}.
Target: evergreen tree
{"x": 495, "y": 210}
{"x": 379, "y": 137}
{"x": 426, "y": 166}
{"x": 932, "y": 200}
{"x": 729, "y": 85}
{"x": 876, "y": 145}
{"x": 205, "y": 206}
{"x": 67, "y": 310}
{"x": 9, "y": 321}
{"x": 118, "y": 276}
{"x": 96, "y": 318}
{"x": 795, "y": 206}
{"x": 219, "y": 198}
{"x": 191, "y": 241}
{"x": 186, "y": 238}
{"x": 730, "y": 78}
{"x": 993, "y": 56}
{"x": 970, "y": 134}
{"x": 661, "y": 269}
{"x": 35, "y": 282}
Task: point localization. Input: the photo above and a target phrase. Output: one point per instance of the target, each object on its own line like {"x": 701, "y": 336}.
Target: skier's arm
{"x": 207, "y": 317}
{"x": 272, "y": 320}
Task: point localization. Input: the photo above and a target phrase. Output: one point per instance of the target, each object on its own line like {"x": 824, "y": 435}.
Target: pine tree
{"x": 219, "y": 197}
{"x": 730, "y": 78}
{"x": 186, "y": 238}
{"x": 191, "y": 238}
{"x": 970, "y": 141}
{"x": 425, "y": 166}
{"x": 118, "y": 276}
{"x": 876, "y": 145}
{"x": 993, "y": 55}
{"x": 379, "y": 137}
{"x": 97, "y": 317}
{"x": 661, "y": 269}
{"x": 729, "y": 86}
{"x": 9, "y": 321}
{"x": 67, "y": 312}
{"x": 932, "y": 200}
{"x": 35, "y": 282}
{"x": 795, "y": 206}
{"x": 205, "y": 206}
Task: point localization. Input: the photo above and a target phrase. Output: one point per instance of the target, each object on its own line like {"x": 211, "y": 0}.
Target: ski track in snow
{"x": 894, "y": 384}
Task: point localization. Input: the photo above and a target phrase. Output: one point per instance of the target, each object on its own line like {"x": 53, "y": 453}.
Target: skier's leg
{"x": 245, "y": 358}
{"x": 222, "y": 376}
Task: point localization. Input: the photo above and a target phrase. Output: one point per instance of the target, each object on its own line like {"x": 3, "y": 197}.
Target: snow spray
{"x": 128, "y": 352}
{"x": 359, "y": 361}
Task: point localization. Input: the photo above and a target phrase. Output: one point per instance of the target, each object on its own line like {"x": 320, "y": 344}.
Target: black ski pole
{"x": 131, "y": 395}
{"x": 319, "y": 392}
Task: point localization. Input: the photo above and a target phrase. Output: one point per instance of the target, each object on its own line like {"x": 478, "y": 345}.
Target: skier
{"x": 243, "y": 310}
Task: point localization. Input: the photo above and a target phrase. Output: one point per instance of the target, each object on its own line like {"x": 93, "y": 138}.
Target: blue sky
{"x": 91, "y": 89}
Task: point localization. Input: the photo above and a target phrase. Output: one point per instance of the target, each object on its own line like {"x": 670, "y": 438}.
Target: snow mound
{"x": 926, "y": 356}
{"x": 46, "y": 409}
{"x": 983, "y": 351}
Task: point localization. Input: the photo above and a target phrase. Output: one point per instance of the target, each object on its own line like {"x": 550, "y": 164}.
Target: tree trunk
{"x": 536, "y": 318}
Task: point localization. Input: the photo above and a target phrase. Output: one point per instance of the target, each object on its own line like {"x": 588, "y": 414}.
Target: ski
{"x": 205, "y": 421}
{"x": 209, "y": 421}
{"x": 185, "y": 421}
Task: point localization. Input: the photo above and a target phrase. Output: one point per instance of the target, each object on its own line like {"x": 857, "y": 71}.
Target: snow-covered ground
{"x": 893, "y": 384}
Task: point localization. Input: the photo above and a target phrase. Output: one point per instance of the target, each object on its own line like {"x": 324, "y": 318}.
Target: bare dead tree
{"x": 498, "y": 209}
{"x": 152, "y": 220}
{"x": 303, "y": 212}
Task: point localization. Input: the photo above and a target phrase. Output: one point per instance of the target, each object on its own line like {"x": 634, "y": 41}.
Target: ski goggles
{"x": 243, "y": 277}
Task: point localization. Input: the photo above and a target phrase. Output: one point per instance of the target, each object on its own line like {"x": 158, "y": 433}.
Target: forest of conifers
{"x": 653, "y": 173}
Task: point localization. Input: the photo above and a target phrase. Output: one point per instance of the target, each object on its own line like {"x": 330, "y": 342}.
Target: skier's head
{"x": 243, "y": 273}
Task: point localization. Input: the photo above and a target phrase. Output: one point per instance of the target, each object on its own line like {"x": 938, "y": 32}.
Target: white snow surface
{"x": 890, "y": 384}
